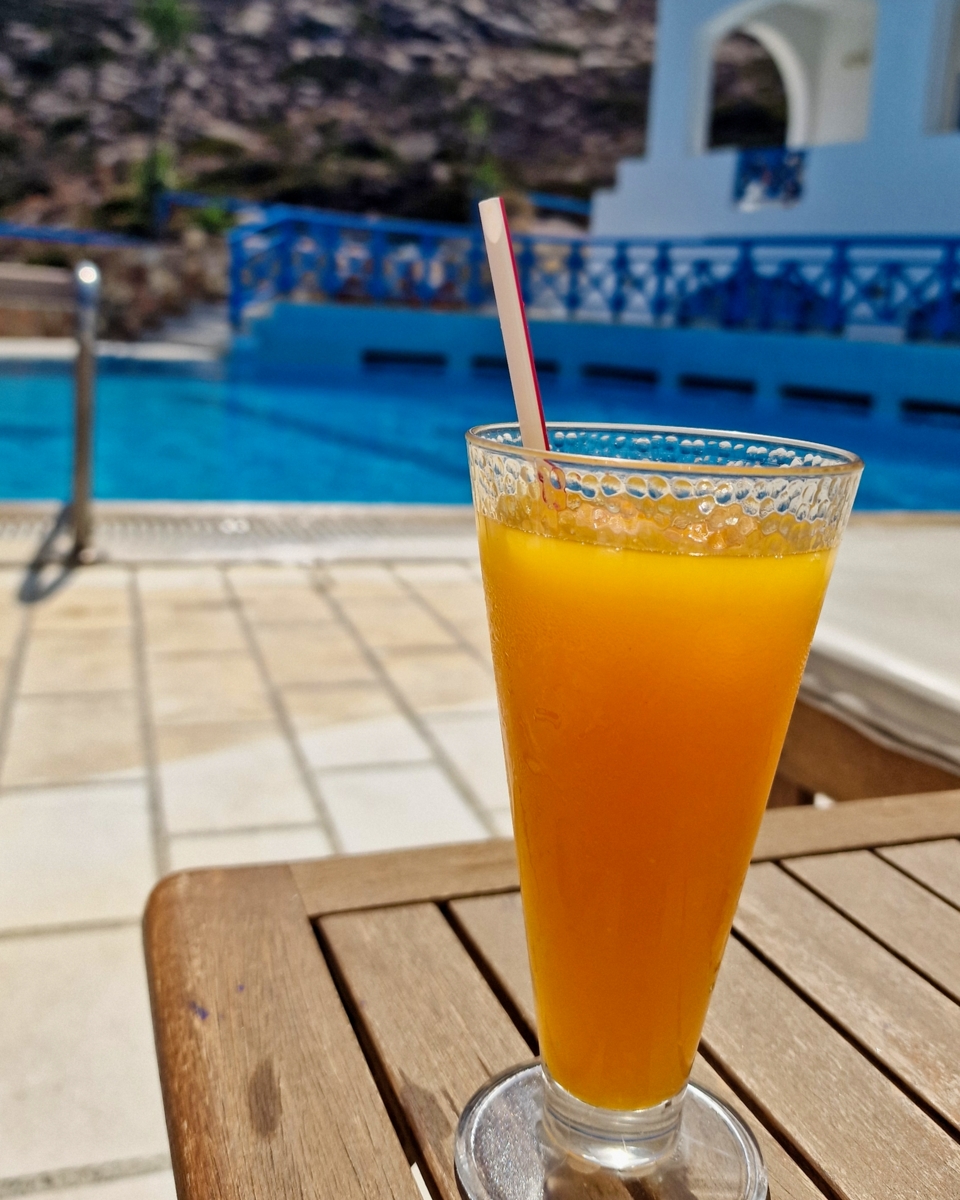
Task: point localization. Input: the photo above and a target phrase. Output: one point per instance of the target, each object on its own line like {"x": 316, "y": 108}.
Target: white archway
{"x": 823, "y": 50}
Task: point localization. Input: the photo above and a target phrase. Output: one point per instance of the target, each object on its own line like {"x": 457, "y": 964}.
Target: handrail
{"x": 909, "y": 285}
{"x": 66, "y": 236}
{"x": 87, "y": 279}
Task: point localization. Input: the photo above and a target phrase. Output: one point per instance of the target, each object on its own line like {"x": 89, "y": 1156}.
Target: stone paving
{"x": 162, "y": 717}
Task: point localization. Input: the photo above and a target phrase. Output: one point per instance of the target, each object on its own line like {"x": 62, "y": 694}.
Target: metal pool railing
{"x": 906, "y": 286}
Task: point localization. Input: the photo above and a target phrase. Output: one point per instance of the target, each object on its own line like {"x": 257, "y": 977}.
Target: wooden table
{"x": 320, "y": 1025}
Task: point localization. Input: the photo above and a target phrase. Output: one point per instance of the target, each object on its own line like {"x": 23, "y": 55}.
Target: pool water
{"x": 378, "y": 435}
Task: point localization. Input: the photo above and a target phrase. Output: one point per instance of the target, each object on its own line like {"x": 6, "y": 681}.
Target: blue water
{"x": 383, "y": 435}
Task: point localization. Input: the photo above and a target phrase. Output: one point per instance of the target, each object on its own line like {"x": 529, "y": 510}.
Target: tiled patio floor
{"x": 156, "y": 718}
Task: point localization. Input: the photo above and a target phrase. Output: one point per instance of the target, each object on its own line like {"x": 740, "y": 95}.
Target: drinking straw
{"x": 513, "y": 324}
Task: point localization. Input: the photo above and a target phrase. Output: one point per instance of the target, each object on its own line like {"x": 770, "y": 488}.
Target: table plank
{"x": 436, "y": 1027}
{"x": 494, "y": 925}
{"x": 858, "y": 825}
{"x": 906, "y": 917}
{"x": 889, "y": 1009}
{"x": 247, "y": 1023}
{"x": 360, "y": 881}
{"x": 852, "y": 1124}
{"x": 935, "y": 864}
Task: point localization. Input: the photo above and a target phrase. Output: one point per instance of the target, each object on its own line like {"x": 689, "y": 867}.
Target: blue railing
{"x": 904, "y": 286}
{"x": 64, "y": 236}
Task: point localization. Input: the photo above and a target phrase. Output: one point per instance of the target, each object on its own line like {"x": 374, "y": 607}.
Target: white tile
{"x": 257, "y": 846}
{"x": 224, "y": 776}
{"x": 74, "y": 854}
{"x": 158, "y": 1185}
{"x": 383, "y": 808}
{"x": 364, "y": 742}
{"x": 473, "y": 742}
{"x": 79, "y": 1078}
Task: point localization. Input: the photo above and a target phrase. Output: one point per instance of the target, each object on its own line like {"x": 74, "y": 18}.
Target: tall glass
{"x": 652, "y": 594}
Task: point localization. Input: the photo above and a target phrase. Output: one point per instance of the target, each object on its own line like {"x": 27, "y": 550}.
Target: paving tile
{"x": 220, "y": 776}
{"x": 158, "y": 1185}
{"x": 73, "y": 739}
{"x": 352, "y": 726}
{"x": 162, "y": 579}
{"x": 384, "y": 808}
{"x": 450, "y": 679}
{"x": 79, "y": 1081}
{"x": 192, "y": 627}
{"x": 361, "y": 580}
{"x": 11, "y": 622}
{"x": 395, "y": 622}
{"x": 473, "y": 742}
{"x": 78, "y": 660}
{"x": 98, "y": 598}
{"x": 74, "y": 854}
{"x": 318, "y": 653}
{"x": 233, "y": 849}
{"x": 276, "y": 595}
{"x": 207, "y": 687}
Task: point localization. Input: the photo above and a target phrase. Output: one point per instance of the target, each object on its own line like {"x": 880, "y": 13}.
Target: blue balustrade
{"x": 908, "y": 286}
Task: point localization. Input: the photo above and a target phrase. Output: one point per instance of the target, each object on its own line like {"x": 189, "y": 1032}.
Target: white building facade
{"x": 873, "y": 105}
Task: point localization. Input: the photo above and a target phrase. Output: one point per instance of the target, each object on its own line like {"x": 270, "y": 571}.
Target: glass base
{"x": 506, "y": 1148}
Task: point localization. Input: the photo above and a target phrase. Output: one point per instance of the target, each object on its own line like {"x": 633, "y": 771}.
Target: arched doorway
{"x": 749, "y": 104}
{"x": 822, "y": 51}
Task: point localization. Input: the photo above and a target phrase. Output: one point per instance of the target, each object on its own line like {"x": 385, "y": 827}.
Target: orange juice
{"x": 644, "y": 698}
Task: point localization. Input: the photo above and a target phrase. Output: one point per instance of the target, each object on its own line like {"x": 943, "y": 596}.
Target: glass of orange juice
{"x": 652, "y": 594}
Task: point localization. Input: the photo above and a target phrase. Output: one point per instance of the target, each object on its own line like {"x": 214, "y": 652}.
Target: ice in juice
{"x": 644, "y": 698}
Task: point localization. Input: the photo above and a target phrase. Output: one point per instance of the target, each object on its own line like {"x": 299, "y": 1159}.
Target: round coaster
{"x": 501, "y": 1152}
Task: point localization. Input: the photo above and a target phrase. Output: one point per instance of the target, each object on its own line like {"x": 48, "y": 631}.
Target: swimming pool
{"x": 201, "y": 433}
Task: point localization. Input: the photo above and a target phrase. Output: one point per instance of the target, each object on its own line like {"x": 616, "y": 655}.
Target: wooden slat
{"x": 934, "y": 864}
{"x": 26, "y": 286}
{"x": 821, "y": 753}
{"x": 856, "y": 1128}
{"x": 917, "y": 925}
{"x": 494, "y": 925}
{"x": 346, "y": 883}
{"x": 912, "y": 1028}
{"x": 436, "y": 1027}
{"x": 265, "y": 1088}
{"x": 857, "y": 825}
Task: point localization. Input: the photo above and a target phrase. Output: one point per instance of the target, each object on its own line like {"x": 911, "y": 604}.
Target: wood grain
{"x": 265, "y": 1088}
{"x": 856, "y": 1128}
{"x": 884, "y": 1005}
{"x": 934, "y": 864}
{"x": 857, "y": 825}
{"x": 917, "y": 925}
{"x": 823, "y": 754}
{"x": 436, "y": 1027}
{"x": 360, "y": 881}
{"x": 494, "y": 925}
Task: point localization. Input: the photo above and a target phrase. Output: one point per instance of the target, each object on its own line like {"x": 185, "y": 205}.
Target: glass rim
{"x": 850, "y": 463}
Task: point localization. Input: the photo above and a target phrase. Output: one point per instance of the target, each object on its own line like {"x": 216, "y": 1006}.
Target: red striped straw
{"x": 513, "y": 324}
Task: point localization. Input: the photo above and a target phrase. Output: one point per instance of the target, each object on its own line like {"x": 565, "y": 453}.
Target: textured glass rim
{"x": 850, "y": 465}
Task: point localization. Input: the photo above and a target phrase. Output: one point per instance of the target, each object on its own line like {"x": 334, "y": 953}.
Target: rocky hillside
{"x": 403, "y": 106}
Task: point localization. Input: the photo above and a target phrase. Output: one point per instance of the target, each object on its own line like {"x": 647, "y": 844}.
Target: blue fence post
{"x": 428, "y": 248}
{"x": 377, "y": 284}
{"x": 944, "y": 318}
{"x": 330, "y": 236}
{"x": 737, "y": 309}
{"x": 662, "y": 269}
{"x": 621, "y": 275}
{"x": 476, "y": 257}
{"x": 573, "y": 298}
{"x": 287, "y": 275}
{"x": 839, "y": 266}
